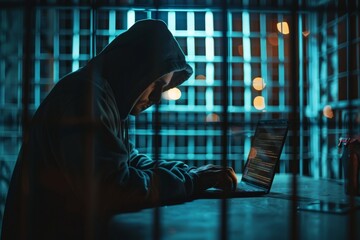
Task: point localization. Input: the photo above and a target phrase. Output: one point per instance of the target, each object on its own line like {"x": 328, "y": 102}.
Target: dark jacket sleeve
{"x": 123, "y": 178}
{"x": 133, "y": 180}
{"x": 171, "y": 179}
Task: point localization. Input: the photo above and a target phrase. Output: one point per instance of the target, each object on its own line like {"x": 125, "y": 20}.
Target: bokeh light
{"x": 306, "y": 33}
{"x": 259, "y": 83}
{"x": 259, "y": 102}
{"x": 200, "y": 77}
{"x": 252, "y": 153}
{"x": 283, "y": 27}
{"x": 273, "y": 39}
{"x": 212, "y": 117}
{"x": 328, "y": 112}
{"x": 172, "y": 94}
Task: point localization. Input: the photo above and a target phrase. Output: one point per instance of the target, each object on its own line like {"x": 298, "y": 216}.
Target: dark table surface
{"x": 267, "y": 217}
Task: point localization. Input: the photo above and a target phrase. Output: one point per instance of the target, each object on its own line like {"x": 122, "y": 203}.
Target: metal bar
{"x": 224, "y": 121}
{"x": 28, "y": 41}
{"x": 294, "y": 89}
{"x": 157, "y": 145}
{"x": 90, "y": 200}
{"x": 93, "y": 28}
{"x": 300, "y": 50}
{"x": 350, "y": 5}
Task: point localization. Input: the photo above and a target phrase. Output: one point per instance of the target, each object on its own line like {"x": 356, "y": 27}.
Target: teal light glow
{"x": 191, "y": 23}
{"x": 190, "y": 39}
{"x": 246, "y": 38}
{"x": 209, "y": 24}
{"x": 209, "y": 99}
{"x": 37, "y": 65}
{"x": 172, "y": 22}
{"x": 130, "y": 18}
{"x": 76, "y": 41}
{"x": 210, "y": 72}
{"x": 112, "y": 25}
{"x": 209, "y": 44}
{"x": 247, "y": 83}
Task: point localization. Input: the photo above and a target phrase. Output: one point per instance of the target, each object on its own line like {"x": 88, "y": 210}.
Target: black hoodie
{"x": 77, "y": 166}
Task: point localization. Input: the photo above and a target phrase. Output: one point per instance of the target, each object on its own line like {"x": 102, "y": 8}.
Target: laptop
{"x": 263, "y": 159}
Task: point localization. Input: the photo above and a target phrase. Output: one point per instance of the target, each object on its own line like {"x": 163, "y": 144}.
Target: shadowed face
{"x": 152, "y": 94}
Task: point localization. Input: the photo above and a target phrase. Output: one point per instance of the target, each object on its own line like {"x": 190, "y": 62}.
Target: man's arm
{"x": 203, "y": 177}
{"x": 172, "y": 180}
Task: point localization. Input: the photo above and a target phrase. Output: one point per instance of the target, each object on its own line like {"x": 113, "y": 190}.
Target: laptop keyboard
{"x": 242, "y": 187}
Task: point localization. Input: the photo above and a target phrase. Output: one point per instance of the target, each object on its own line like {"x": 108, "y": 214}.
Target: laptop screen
{"x": 265, "y": 152}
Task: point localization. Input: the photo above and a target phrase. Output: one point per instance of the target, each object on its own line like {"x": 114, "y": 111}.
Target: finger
{"x": 224, "y": 182}
{"x": 225, "y": 178}
{"x": 233, "y": 176}
{"x": 229, "y": 185}
{"x": 234, "y": 181}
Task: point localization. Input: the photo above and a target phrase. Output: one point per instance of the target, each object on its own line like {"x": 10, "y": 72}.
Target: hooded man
{"x": 77, "y": 166}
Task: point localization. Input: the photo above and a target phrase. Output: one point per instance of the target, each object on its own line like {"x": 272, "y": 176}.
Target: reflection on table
{"x": 268, "y": 217}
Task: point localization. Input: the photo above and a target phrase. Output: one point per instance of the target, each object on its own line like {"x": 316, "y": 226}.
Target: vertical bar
{"x": 210, "y": 74}
{"x": 26, "y": 216}
{"x": 209, "y": 54}
{"x": 350, "y": 8}
{"x": 37, "y": 54}
{"x": 76, "y": 39}
{"x": 149, "y": 139}
{"x": 247, "y": 73}
{"x": 247, "y": 78}
{"x": 294, "y": 73}
{"x": 190, "y": 138}
{"x": 231, "y": 60}
{"x": 224, "y": 122}
{"x": 93, "y": 27}
{"x": 172, "y": 22}
{"x": 263, "y": 56}
{"x": 56, "y": 47}
{"x": 112, "y": 25}
{"x": 157, "y": 142}
{"x": 190, "y": 17}
{"x": 301, "y": 92}
{"x": 314, "y": 98}
{"x": 281, "y": 54}
{"x": 90, "y": 200}
{"x": 130, "y": 18}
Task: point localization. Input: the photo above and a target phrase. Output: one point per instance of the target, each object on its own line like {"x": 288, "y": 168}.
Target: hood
{"x": 136, "y": 58}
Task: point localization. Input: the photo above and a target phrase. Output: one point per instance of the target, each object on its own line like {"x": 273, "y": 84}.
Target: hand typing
{"x": 216, "y": 176}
